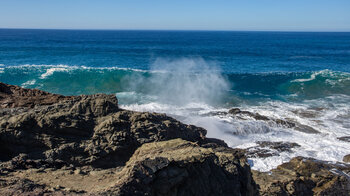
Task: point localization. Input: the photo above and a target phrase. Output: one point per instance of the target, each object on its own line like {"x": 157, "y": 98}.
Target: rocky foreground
{"x": 86, "y": 145}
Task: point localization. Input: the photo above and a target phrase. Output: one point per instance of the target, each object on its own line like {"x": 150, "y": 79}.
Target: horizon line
{"x": 218, "y": 30}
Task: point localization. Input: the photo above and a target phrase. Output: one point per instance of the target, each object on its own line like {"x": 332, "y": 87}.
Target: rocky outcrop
{"x": 87, "y": 145}
{"x": 305, "y": 176}
{"x": 12, "y": 96}
{"x": 268, "y": 149}
{"x": 242, "y": 115}
{"x": 86, "y": 130}
{"x": 179, "y": 167}
{"x": 56, "y": 145}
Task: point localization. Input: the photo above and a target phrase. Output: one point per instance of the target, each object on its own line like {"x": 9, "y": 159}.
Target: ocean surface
{"x": 197, "y": 76}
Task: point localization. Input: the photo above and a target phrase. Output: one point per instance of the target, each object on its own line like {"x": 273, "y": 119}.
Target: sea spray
{"x": 182, "y": 81}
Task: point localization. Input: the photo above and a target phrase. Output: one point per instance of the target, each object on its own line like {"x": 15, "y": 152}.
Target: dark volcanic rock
{"x": 87, "y": 130}
{"x": 305, "y": 176}
{"x": 78, "y": 145}
{"x": 280, "y": 146}
{"x": 284, "y": 123}
{"x": 256, "y": 116}
{"x": 12, "y": 96}
{"x": 344, "y": 138}
{"x": 268, "y": 149}
{"x": 179, "y": 167}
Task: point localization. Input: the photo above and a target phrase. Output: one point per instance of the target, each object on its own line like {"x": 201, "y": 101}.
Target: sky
{"x": 255, "y": 15}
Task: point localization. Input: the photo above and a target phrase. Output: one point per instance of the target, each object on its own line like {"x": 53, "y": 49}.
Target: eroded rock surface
{"x": 179, "y": 167}
{"x": 288, "y": 123}
{"x": 268, "y": 149}
{"x": 80, "y": 145}
{"x": 12, "y": 96}
{"x": 86, "y": 130}
{"x": 87, "y": 145}
{"x": 305, "y": 176}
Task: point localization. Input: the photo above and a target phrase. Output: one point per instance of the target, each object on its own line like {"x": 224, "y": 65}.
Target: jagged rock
{"x": 86, "y": 130}
{"x": 56, "y": 145}
{"x": 256, "y": 116}
{"x": 12, "y": 96}
{"x": 305, "y": 176}
{"x": 178, "y": 167}
{"x": 284, "y": 123}
{"x": 268, "y": 149}
{"x": 344, "y": 138}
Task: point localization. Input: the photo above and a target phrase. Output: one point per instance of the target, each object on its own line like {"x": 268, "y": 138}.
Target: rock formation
{"x": 50, "y": 145}
{"x": 12, "y": 96}
{"x": 284, "y": 123}
{"x": 179, "y": 167}
{"x": 305, "y": 176}
{"x": 86, "y": 145}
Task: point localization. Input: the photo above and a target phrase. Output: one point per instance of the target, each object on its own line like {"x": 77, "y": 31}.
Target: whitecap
{"x": 50, "y": 71}
{"x": 28, "y": 83}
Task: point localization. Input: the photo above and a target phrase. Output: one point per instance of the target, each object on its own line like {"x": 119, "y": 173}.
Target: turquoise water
{"x": 191, "y": 74}
{"x": 254, "y": 64}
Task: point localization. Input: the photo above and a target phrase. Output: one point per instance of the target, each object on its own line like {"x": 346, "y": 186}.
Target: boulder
{"x": 178, "y": 167}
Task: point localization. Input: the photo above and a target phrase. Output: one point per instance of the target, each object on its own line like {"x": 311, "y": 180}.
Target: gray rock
{"x": 178, "y": 167}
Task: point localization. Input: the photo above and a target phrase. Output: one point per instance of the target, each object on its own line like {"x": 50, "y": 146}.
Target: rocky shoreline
{"x": 86, "y": 145}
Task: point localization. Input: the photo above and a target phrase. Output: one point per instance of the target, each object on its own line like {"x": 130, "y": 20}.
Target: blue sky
{"x": 283, "y": 15}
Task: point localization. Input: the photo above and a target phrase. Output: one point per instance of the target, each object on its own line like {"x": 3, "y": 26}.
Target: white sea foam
{"x": 328, "y": 115}
{"x": 333, "y": 77}
{"x": 50, "y": 71}
{"x": 75, "y": 67}
{"x": 312, "y": 77}
{"x": 28, "y": 83}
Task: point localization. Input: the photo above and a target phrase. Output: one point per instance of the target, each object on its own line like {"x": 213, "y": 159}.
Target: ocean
{"x": 198, "y": 76}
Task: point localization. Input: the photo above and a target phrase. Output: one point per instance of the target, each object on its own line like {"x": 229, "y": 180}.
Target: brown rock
{"x": 305, "y": 176}
{"x": 12, "y": 96}
{"x": 347, "y": 158}
{"x": 86, "y": 130}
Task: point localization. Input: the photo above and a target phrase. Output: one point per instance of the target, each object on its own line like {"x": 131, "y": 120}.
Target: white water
{"x": 329, "y": 116}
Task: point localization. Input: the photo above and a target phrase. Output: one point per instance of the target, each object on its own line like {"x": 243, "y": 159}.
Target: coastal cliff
{"x": 86, "y": 145}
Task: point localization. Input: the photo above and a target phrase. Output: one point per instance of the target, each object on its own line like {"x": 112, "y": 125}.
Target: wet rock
{"x": 267, "y": 149}
{"x": 344, "y": 138}
{"x": 178, "y": 167}
{"x": 310, "y": 113}
{"x": 347, "y": 158}
{"x": 305, "y": 128}
{"x": 305, "y": 176}
{"x": 288, "y": 123}
{"x": 256, "y": 116}
{"x": 279, "y": 146}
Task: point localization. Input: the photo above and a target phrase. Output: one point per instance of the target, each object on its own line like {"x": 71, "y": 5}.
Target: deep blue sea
{"x": 191, "y": 74}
